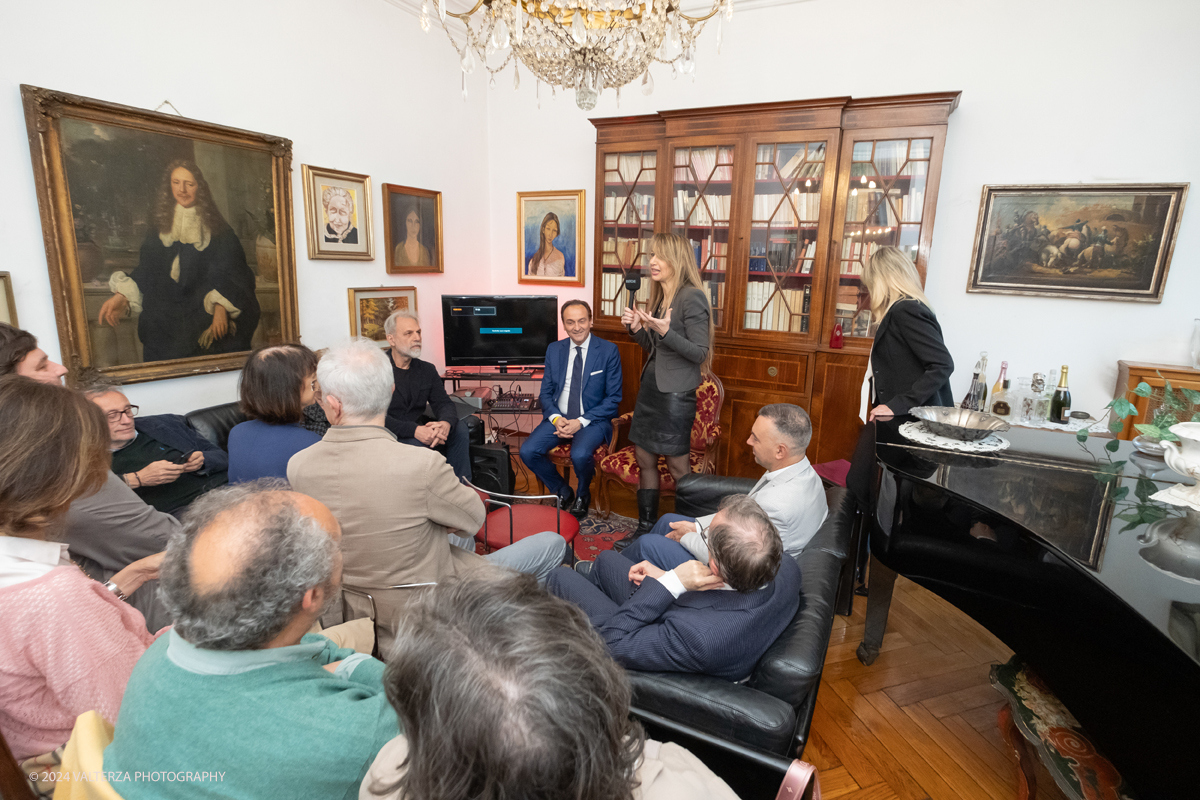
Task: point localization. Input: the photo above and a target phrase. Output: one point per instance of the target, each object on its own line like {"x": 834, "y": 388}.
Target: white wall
{"x": 354, "y": 84}
{"x": 1053, "y": 92}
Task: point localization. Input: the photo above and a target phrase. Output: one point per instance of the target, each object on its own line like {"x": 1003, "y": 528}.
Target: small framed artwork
{"x": 8, "y": 306}
{"x": 412, "y": 229}
{"x": 337, "y": 214}
{"x": 550, "y": 232}
{"x": 370, "y": 307}
{"x": 1093, "y": 242}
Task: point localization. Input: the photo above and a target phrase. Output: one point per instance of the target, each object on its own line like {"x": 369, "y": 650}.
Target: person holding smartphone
{"x": 160, "y": 457}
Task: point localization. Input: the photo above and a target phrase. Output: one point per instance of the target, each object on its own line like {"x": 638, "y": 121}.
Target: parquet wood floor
{"x": 919, "y": 723}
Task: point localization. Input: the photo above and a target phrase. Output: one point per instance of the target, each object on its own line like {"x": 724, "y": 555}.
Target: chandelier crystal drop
{"x": 584, "y": 45}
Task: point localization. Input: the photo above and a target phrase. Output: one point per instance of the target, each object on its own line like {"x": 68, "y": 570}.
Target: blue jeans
{"x": 583, "y": 445}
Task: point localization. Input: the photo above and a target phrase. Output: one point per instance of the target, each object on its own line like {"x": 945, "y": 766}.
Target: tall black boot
{"x": 647, "y": 500}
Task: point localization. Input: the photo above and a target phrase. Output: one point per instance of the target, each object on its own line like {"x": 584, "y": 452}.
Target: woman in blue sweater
{"x": 277, "y": 383}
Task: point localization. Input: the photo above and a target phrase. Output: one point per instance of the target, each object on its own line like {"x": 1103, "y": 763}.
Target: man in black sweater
{"x": 418, "y": 384}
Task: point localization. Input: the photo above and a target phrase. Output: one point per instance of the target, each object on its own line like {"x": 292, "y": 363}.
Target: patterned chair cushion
{"x": 1072, "y": 760}
{"x": 623, "y": 465}
{"x": 560, "y": 454}
{"x": 708, "y": 406}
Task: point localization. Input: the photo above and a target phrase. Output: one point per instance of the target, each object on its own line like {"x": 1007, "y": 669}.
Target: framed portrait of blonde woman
{"x": 169, "y": 240}
{"x": 337, "y": 214}
{"x": 550, "y": 238}
{"x": 412, "y": 229}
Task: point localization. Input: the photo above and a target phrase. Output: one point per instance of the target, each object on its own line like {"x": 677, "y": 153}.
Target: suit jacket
{"x": 717, "y": 632}
{"x": 910, "y": 363}
{"x": 173, "y": 430}
{"x": 684, "y": 348}
{"x": 395, "y": 503}
{"x": 601, "y": 379}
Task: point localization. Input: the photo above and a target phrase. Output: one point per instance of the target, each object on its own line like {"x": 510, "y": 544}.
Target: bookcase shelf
{"x": 787, "y": 180}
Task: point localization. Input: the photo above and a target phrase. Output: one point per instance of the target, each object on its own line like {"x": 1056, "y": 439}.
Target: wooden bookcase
{"x": 783, "y": 203}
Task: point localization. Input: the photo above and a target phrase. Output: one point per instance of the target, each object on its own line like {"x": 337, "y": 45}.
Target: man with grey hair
{"x": 790, "y": 492}
{"x": 397, "y": 504}
{"x": 671, "y": 616}
{"x": 276, "y": 711}
{"x": 418, "y": 387}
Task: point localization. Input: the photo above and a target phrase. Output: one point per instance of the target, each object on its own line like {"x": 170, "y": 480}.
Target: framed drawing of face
{"x": 412, "y": 229}
{"x": 550, "y": 232}
{"x": 8, "y": 306}
{"x": 1098, "y": 242}
{"x": 370, "y": 308}
{"x": 169, "y": 240}
{"x": 337, "y": 214}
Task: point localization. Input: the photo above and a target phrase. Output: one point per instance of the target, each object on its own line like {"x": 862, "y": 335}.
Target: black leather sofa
{"x": 771, "y": 712}
{"x": 215, "y": 422}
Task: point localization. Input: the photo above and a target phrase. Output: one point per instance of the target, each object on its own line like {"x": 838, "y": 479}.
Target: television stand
{"x": 457, "y": 376}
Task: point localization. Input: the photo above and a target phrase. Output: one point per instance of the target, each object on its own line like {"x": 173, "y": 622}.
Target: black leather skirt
{"x": 662, "y": 421}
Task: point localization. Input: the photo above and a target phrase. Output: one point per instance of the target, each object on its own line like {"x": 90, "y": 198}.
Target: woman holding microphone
{"x": 678, "y": 335}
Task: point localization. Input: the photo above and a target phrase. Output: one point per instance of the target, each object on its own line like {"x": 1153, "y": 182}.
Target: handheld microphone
{"x": 632, "y": 284}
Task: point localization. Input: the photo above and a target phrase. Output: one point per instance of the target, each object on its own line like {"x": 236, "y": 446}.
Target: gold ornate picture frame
{"x": 370, "y": 306}
{"x": 337, "y": 214}
{"x": 550, "y": 238}
{"x": 8, "y": 304}
{"x": 177, "y": 232}
{"x": 412, "y": 230}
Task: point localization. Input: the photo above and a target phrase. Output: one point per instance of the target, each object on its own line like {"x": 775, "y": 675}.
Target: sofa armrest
{"x": 698, "y": 494}
{"x": 729, "y": 711}
{"x": 215, "y": 422}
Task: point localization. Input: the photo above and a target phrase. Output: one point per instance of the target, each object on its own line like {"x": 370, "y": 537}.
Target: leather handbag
{"x": 800, "y": 783}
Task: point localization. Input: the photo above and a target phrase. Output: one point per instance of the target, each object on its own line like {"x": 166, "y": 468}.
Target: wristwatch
{"x": 112, "y": 587}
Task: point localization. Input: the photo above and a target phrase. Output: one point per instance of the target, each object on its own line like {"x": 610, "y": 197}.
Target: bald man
{"x": 239, "y": 688}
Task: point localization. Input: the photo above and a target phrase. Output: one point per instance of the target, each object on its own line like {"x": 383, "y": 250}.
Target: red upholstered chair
{"x": 619, "y": 466}
{"x": 560, "y": 457}
{"x": 508, "y": 521}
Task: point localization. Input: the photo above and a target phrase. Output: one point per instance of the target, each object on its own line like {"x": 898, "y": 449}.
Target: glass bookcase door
{"x": 884, "y": 205}
{"x": 789, "y": 178}
{"x": 627, "y": 224}
{"x": 702, "y": 197}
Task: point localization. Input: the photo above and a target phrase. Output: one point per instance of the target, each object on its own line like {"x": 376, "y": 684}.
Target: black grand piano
{"x": 1030, "y": 543}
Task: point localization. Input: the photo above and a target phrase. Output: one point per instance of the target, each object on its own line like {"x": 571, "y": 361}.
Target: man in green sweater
{"x": 238, "y": 700}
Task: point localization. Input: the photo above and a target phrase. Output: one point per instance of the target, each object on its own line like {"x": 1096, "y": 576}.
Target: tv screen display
{"x": 498, "y": 330}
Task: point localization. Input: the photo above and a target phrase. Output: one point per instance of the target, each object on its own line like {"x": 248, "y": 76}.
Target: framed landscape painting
{"x": 370, "y": 307}
{"x": 337, "y": 214}
{"x": 1098, "y": 242}
{"x": 169, "y": 240}
{"x": 550, "y": 235}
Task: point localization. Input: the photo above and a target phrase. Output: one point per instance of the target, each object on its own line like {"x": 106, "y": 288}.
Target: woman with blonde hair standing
{"x": 677, "y": 332}
{"x": 909, "y": 364}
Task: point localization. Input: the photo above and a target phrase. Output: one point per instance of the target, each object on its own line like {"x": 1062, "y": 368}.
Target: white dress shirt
{"x": 25, "y": 559}
{"x": 565, "y": 395}
{"x": 794, "y": 499}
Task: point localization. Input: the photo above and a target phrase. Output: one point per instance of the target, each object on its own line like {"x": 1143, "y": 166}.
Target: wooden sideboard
{"x": 1131, "y": 373}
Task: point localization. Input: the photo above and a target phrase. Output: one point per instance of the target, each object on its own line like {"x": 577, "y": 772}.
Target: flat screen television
{"x": 498, "y": 330}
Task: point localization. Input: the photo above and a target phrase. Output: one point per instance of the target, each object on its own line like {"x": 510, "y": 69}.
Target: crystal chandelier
{"x": 585, "y": 45}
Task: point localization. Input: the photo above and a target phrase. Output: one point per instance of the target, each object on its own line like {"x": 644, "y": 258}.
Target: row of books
{"x": 703, "y": 163}
{"x": 640, "y": 207}
{"x": 855, "y": 254}
{"x": 620, "y": 251}
{"x": 784, "y": 254}
{"x": 628, "y": 166}
{"x": 798, "y": 206}
{"x": 710, "y": 247}
{"x": 713, "y": 208}
{"x": 782, "y": 310}
{"x": 612, "y": 285}
{"x": 716, "y": 293}
{"x": 854, "y": 322}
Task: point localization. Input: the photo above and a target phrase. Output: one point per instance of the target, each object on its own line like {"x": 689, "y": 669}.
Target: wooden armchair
{"x": 618, "y": 467}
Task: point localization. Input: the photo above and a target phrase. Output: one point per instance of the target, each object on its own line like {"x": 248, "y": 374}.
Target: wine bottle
{"x": 1060, "y": 405}
{"x": 1000, "y": 379}
{"x": 968, "y": 401}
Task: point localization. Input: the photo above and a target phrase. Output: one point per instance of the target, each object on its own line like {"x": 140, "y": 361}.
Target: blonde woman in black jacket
{"x": 678, "y": 334}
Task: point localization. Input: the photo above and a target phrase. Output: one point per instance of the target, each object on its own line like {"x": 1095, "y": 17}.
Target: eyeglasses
{"x": 131, "y": 411}
{"x": 703, "y": 535}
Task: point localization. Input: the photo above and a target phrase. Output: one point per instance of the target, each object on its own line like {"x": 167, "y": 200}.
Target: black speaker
{"x": 491, "y": 468}
{"x": 474, "y": 429}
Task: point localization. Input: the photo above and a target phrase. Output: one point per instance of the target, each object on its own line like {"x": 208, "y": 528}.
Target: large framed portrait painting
{"x": 550, "y": 236}
{"x": 169, "y": 240}
{"x": 1098, "y": 242}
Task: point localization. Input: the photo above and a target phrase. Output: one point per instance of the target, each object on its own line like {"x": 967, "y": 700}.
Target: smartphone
{"x": 183, "y": 459}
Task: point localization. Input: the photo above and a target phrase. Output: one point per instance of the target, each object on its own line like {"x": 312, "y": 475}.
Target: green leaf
{"x": 1192, "y": 396}
{"x": 1130, "y": 526}
{"x": 1130, "y": 516}
{"x": 1149, "y": 431}
{"x": 1196, "y": 417}
{"x": 1153, "y": 513}
{"x": 1123, "y": 408}
{"x": 1145, "y": 488}
{"x": 1081, "y": 435}
{"x": 1113, "y": 445}
{"x": 1172, "y": 400}
{"x": 1116, "y": 426}
{"x": 1143, "y": 389}
{"x": 1167, "y": 436}
{"x": 1104, "y": 477}
{"x": 1120, "y": 494}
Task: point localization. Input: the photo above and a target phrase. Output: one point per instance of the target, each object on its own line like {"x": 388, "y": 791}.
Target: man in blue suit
{"x": 581, "y": 390}
{"x": 682, "y": 616}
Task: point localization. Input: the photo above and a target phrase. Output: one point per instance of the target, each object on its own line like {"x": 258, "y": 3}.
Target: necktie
{"x": 574, "y": 406}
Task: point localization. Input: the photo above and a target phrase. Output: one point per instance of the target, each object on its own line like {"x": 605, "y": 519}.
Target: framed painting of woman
{"x": 550, "y": 233}
{"x": 412, "y": 229}
{"x": 337, "y": 214}
{"x": 169, "y": 240}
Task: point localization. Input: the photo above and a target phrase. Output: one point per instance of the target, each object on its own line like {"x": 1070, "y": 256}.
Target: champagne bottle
{"x": 1060, "y": 405}
{"x": 1000, "y": 379}
{"x": 1001, "y": 402}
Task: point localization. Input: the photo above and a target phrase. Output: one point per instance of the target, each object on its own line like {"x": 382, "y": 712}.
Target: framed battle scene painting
{"x": 337, "y": 214}
{"x": 169, "y": 240}
{"x": 550, "y": 235}
{"x": 1095, "y": 242}
{"x": 371, "y": 306}
{"x": 412, "y": 229}
{"x": 8, "y": 305}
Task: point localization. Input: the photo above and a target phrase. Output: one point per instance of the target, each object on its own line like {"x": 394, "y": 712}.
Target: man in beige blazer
{"x": 397, "y": 504}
